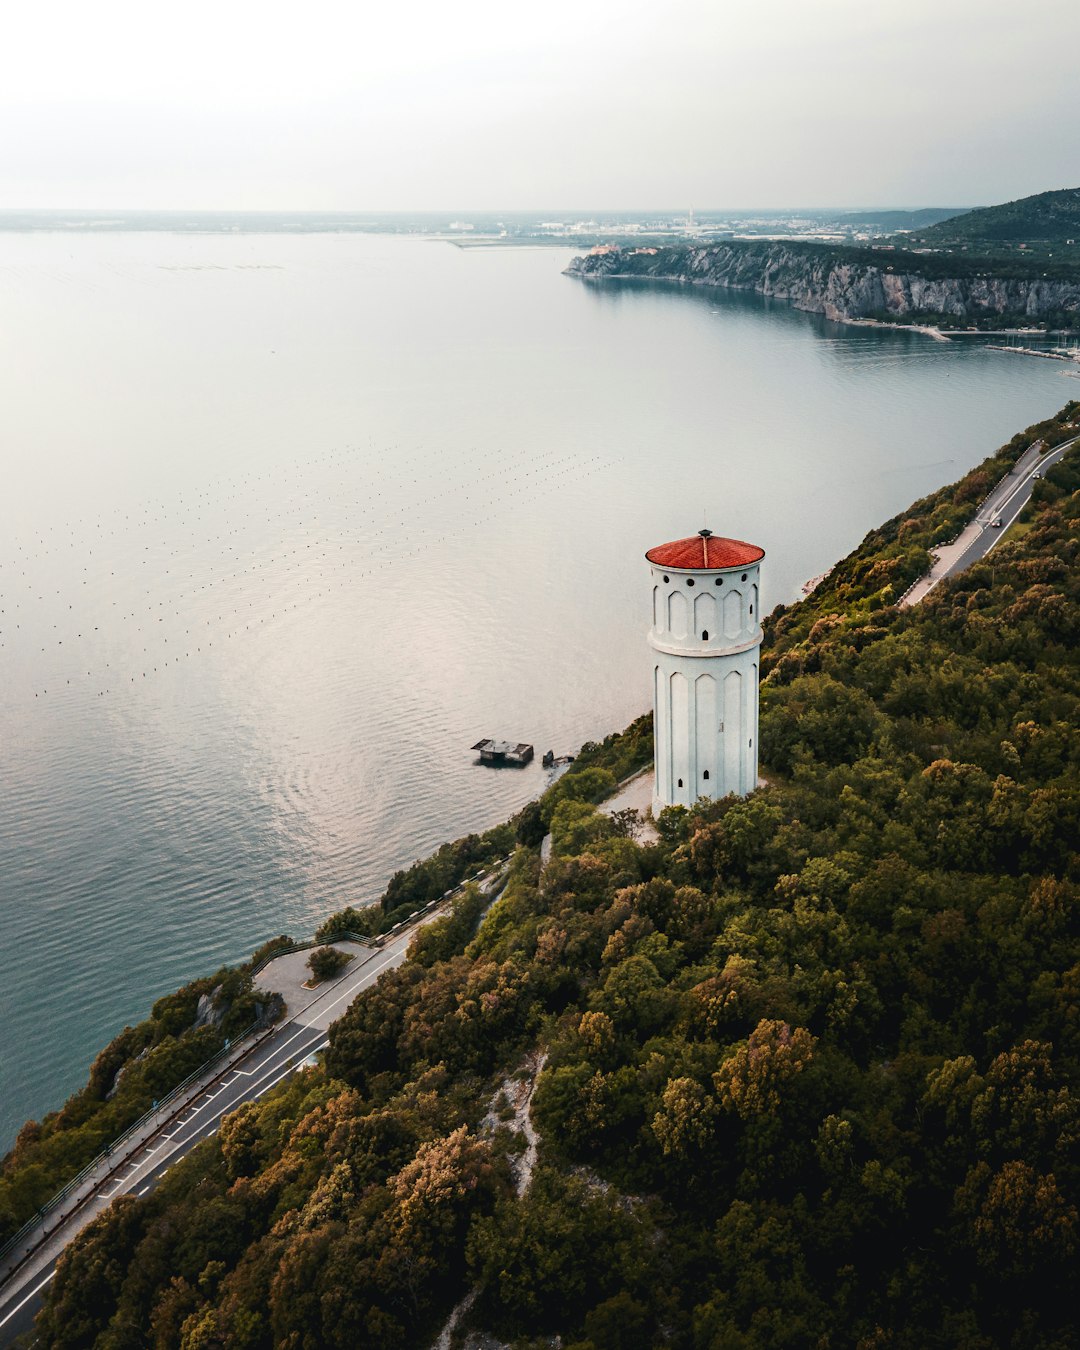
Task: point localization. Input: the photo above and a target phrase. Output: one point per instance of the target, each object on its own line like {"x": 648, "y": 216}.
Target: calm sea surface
{"x": 288, "y": 522}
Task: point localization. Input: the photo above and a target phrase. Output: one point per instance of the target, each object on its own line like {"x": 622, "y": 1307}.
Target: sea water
{"x": 287, "y": 522}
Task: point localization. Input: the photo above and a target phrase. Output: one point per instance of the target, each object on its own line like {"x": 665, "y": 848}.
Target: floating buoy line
{"x": 326, "y": 531}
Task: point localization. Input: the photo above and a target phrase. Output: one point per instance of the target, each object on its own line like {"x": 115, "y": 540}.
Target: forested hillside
{"x": 949, "y": 288}
{"x": 806, "y": 1067}
{"x": 1046, "y": 221}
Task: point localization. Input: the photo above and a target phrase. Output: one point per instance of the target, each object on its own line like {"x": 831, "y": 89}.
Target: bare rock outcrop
{"x": 844, "y": 284}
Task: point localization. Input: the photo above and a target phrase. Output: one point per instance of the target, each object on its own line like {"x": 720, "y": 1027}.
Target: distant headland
{"x": 1016, "y": 265}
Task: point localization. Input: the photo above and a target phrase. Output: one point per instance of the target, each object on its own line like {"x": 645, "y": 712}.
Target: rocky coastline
{"x": 847, "y": 284}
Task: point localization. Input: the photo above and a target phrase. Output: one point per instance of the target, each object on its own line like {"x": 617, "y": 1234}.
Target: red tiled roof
{"x": 705, "y": 551}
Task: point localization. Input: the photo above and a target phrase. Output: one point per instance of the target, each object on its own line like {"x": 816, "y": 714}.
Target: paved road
{"x": 976, "y": 540}
{"x": 280, "y": 1053}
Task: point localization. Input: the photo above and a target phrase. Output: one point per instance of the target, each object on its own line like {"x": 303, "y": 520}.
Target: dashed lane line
{"x": 291, "y": 1069}
{"x": 350, "y": 994}
{"x": 142, "y": 1160}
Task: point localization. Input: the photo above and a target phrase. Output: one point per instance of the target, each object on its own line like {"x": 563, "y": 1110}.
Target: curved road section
{"x": 993, "y": 518}
{"x": 258, "y": 1068}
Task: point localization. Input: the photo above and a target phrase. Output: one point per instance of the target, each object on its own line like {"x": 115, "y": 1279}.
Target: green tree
{"x": 326, "y": 962}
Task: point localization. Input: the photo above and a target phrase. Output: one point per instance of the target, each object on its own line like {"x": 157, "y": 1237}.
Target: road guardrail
{"x": 228, "y": 1050}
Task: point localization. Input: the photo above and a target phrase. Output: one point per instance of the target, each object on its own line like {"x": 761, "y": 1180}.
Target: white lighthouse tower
{"x": 705, "y": 638}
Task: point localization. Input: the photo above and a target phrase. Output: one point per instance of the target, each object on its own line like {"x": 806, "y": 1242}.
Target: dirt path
{"x": 516, "y": 1090}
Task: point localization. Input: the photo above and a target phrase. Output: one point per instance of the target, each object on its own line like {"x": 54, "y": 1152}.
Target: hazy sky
{"x": 346, "y": 104}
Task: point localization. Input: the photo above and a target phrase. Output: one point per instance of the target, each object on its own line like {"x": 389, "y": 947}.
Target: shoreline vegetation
{"x": 186, "y": 1028}
{"x": 809, "y": 1063}
{"x": 935, "y": 292}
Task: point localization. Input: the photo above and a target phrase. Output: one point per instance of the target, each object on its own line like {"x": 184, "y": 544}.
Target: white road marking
{"x": 984, "y": 518}
{"x": 22, "y": 1303}
{"x": 145, "y": 1162}
{"x": 142, "y": 1160}
{"x": 292, "y": 1068}
{"x": 349, "y": 994}
{"x": 1019, "y": 487}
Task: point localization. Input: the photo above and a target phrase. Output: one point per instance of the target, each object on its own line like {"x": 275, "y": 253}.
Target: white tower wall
{"x": 705, "y": 639}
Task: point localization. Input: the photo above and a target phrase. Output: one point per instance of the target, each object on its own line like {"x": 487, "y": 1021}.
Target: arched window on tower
{"x": 704, "y": 635}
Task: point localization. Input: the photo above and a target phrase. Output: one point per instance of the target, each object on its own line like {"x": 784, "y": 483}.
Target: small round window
{"x": 665, "y": 578}
{"x": 744, "y": 576}
{"x": 689, "y": 581}
{"x": 719, "y": 581}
